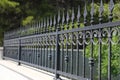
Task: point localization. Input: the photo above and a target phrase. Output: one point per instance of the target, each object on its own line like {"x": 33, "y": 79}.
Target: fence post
{"x": 3, "y": 55}
{"x": 19, "y": 52}
{"x": 57, "y": 55}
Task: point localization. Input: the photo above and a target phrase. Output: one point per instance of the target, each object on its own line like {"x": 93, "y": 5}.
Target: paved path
{"x": 9, "y": 70}
{"x": 6, "y": 74}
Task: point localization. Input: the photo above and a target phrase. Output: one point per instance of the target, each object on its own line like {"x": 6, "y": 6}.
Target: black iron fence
{"x": 60, "y": 45}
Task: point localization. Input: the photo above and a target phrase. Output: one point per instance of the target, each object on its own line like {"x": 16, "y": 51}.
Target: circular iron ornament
{"x": 60, "y": 40}
{"x": 79, "y": 36}
{"x": 87, "y": 37}
{"x": 67, "y": 38}
{"x": 63, "y": 39}
{"x": 39, "y": 41}
{"x": 50, "y": 40}
{"x": 46, "y": 40}
{"x": 53, "y": 40}
{"x": 72, "y": 38}
{"x": 95, "y": 37}
{"x": 42, "y": 40}
{"x": 115, "y": 35}
{"x": 104, "y": 33}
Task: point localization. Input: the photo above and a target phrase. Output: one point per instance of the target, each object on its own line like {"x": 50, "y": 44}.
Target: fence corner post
{"x": 19, "y": 52}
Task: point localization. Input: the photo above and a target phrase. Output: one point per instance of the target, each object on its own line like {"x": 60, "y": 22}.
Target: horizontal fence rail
{"x": 60, "y": 45}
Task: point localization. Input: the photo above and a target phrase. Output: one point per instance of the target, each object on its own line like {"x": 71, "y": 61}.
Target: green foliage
{"x": 27, "y": 20}
{"x": 115, "y": 47}
{"x": 116, "y": 12}
{"x": 8, "y": 4}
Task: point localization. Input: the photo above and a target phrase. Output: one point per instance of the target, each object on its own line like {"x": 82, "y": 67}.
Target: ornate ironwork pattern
{"x": 62, "y": 46}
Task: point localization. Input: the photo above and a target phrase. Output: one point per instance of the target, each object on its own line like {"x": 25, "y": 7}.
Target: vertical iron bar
{"x": 84, "y": 52}
{"x": 19, "y": 51}
{"x": 71, "y": 66}
{"x": 111, "y": 7}
{"x": 44, "y": 52}
{"x": 47, "y": 46}
{"x": 99, "y": 56}
{"x": 101, "y": 9}
{"x": 40, "y": 51}
{"x": 57, "y": 54}
{"x": 109, "y": 55}
{"x": 62, "y": 52}
{"x": 50, "y": 55}
{"x": 91, "y": 60}
{"x": 66, "y": 55}
{"x": 84, "y": 38}
{"x": 77, "y": 59}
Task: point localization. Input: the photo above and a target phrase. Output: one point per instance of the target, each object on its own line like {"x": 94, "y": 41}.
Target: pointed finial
{"x": 47, "y": 24}
{"x": 54, "y": 22}
{"x": 92, "y": 12}
{"x": 101, "y": 9}
{"x": 51, "y": 23}
{"x": 111, "y": 7}
{"x": 42, "y": 25}
{"x": 67, "y": 19}
{"x": 44, "y": 21}
{"x": 63, "y": 20}
{"x": 37, "y": 27}
{"x": 40, "y": 30}
{"x": 78, "y": 16}
{"x": 85, "y": 14}
{"x": 72, "y": 17}
{"x": 58, "y": 18}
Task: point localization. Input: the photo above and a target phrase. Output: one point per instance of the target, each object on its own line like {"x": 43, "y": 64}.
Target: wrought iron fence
{"x": 60, "y": 45}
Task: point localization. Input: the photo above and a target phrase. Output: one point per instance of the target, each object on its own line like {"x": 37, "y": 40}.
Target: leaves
{"x": 27, "y": 20}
